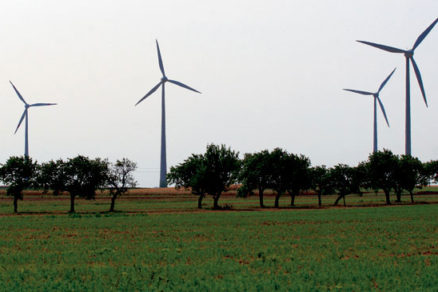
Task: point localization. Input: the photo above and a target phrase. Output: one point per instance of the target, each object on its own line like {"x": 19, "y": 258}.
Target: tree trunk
{"x": 215, "y": 204}
{"x": 338, "y": 199}
{"x": 200, "y": 201}
{"x": 15, "y": 204}
{"x": 398, "y": 195}
{"x": 72, "y": 203}
{"x": 113, "y": 202}
{"x": 412, "y": 196}
{"x": 319, "y": 199}
{"x": 277, "y": 199}
{"x": 292, "y": 199}
{"x": 261, "y": 198}
{"x": 343, "y": 198}
{"x": 388, "y": 201}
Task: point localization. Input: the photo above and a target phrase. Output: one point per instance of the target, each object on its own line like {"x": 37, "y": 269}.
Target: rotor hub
{"x": 409, "y": 54}
{"x": 164, "y": 79}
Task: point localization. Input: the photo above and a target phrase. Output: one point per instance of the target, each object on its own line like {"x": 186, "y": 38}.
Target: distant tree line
{"x": 284, "y": 173}
{"x": 79, "y": 176}
{"x": 215, "y": 171}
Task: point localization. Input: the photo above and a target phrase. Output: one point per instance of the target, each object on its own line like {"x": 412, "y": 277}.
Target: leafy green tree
{"x": 52, "y": 176}
{"x": 80, "y": 176}
{"x": 222, "y": 169}
{"x": 298, "y": 175}
{"x": 431, "y": 170}
{"x": 256, "y": 173}
{"x": 342, "y": 179}
{"x": 409, "y": 175}
{"x": 120, "y": 178}
{"x": 211, "y": 173}
{"x": 280, "y": 175}
{"x": 321, "y": 182}
{"x": 191, "y": 174}
{"x": 382, "y": 167}
{"x": 18, "y": 173}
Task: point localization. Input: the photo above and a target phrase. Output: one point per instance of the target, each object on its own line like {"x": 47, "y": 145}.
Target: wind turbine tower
{"x": 164, "y": 79}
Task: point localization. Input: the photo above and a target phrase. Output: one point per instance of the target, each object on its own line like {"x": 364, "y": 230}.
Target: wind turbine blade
{"x": 383, "y": 109}
{"x": 420, "y": 81}
{"x": 386, "y": 80}
{"x": 18, "y": 93}
{"x": 160, "y": 61}
{"x": 150, "y": 92}
{"x": 424, "y": 34}
{"x": 183, "y": 85}
{"x": 359, "y": 91}
{"x": 383, "y": 47}
{"x": 42, "y": 104}
{"x": 21, "y": 120}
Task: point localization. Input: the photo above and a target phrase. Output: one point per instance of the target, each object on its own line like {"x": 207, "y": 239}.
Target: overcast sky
{"x": 271, "y": 75}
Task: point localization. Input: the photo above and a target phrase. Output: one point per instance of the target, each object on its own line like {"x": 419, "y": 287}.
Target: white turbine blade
{"x": 383, "y": 47}
{"x": 160, "y": 60}
{"x": 18, "y": 93}
{"x": 21, "y": 120}
{"x": 420, "y": 81}
{"x": 183, "y": 85}
{"x": 150, "y": 92}
{"x": 424, "y": 34}
{"x": 386, "y": 80}
{"x": 42, "y": 104}
{"x": 359, "y": 91}
{"x": 383, "y": 109}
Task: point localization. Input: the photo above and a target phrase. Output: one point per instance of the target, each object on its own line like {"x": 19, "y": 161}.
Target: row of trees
{"x": 286, "y": 173}
{"x": 213, "y": 172}
{"x": 79, "y": 176}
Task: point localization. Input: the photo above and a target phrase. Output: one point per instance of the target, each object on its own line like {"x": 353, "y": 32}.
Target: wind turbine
{"x": 409, "y": 56}
{"x": 25, "y": 115}
{"x": 376, "y": 99}
{"x": 164, "y": 79}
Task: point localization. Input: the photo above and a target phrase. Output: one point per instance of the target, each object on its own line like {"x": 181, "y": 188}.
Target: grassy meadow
{"x": 159, "y": 240}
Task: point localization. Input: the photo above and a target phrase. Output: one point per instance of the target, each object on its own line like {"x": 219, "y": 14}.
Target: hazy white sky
{"x": 271, "y": 74}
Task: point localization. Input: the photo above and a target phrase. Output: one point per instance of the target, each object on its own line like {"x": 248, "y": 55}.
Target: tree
{"x": 222, "y": 169}
{"x": 341, "y": 176}
{"x": 280, "y": 176}
{"x": 297, "y": 171}
{"x": 321, "y": 182}
{"x": 120, "y": 178}
{"x": 18, "y": 174}
{"x": 409, "y": 175}
{"x": 80, "y": 176}
{"x": 52, "y": 176}
{"x": 382, "y": 166}
{"x": 191, "y": 174}
{"x": 256, "y": 173}
{"x": 431, "y": 170}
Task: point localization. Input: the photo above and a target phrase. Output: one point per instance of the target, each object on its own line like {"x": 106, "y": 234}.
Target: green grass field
{"x": 162, "y": 242}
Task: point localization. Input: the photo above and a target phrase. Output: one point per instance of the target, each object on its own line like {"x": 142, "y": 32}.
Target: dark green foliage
{"x": 80, "y": 176}
{"x": 18, "y": 173}
{"x": 409, "y": 175}
{"x": 321, "y": 182}
{"x": 191, "y": 174}
{"x": 222, "y": 170}
{"x": 298, "y": 174}
{"x": 120, "y": 178}
{"x": 256, "y": 173}
{"x": 342, "y": 177}
{"x": 280, "y": 175}
{"x": 211, "y": 173}
{"x": 382, "y": 167}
